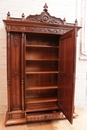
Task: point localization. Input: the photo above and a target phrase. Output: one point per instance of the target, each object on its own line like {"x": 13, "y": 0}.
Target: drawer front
{"x": 43, "y": 116}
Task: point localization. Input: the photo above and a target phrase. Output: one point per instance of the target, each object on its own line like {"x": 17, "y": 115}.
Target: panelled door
{"x": 66, "y": 79}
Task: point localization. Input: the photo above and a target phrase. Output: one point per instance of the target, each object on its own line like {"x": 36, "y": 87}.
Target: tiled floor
{"x": 79, "y": 123}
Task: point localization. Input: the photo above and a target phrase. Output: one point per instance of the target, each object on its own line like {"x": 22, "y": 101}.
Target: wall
{"x": 60, "y": 8}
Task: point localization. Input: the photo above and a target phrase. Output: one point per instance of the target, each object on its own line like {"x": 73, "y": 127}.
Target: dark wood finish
{"x": 40, "y": 68}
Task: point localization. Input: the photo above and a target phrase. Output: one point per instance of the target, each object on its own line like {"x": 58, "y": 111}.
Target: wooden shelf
{"x": 40, "y": 99}
{"x": 42, "y": 59}
{"x": 42, "y": 72}
{"x": 42, "y": 46}
{"x": 41, "y": 107}
{"x": 41, "y": 87}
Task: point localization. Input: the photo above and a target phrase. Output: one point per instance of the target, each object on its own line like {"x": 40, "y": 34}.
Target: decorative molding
{"x": 46, "y": 30}
{"x": 16, "y": 28}
{"x": 41, "y": 29}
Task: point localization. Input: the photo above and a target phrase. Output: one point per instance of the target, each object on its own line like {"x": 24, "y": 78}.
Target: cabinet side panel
{"x": 15, "y": 71}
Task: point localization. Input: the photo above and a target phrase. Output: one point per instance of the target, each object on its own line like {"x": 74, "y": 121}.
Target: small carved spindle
{"x": 23, "y": 17}
{"x": 45, "y": 7}
{"x": 8, "y": 16}
{"x": 76, "y": 22}
{"x": 64, "y": 20}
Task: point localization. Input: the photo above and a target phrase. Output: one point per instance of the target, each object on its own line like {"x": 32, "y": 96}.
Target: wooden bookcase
{"x": 40, "y": 68}
{"x": 41, "y": 72}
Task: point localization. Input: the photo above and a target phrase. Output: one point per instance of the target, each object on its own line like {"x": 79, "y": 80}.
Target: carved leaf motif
{"x": 46, "y": 30}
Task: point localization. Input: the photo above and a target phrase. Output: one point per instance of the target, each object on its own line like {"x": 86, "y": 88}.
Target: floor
{"x": 79, "y": 123}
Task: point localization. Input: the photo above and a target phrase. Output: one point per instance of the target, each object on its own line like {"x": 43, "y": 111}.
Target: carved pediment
{"x": 44, "y": 17}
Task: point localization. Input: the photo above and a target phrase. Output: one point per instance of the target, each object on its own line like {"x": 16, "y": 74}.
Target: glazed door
{"x": 66, "y": 79}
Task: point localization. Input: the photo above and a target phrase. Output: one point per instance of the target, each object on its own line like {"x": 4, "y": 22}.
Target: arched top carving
{"x": 44, "y": 17}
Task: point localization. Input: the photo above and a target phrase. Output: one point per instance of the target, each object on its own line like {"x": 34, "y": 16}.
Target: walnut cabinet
{"x": 41, "y": 53}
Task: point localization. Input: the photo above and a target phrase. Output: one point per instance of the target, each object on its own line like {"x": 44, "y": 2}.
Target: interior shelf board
{"x": 42, "y": 46}
{"x": 42, "y": 72}
{"x": 41, "y": 87}
{"x": 42, "y": 59}
{"x": 42, "y": 109}
{"x": 40, "y": 99}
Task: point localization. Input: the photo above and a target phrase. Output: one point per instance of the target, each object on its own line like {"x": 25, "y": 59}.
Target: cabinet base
{"x": 15, "y": 117}
{"x": 20, "y": 117}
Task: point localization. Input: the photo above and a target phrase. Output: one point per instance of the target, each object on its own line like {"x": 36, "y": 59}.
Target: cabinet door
{"x": 66, "y": 79}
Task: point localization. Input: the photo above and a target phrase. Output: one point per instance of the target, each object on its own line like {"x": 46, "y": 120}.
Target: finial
{"x": 45, "y": 7}
{"x": 76, "y": 22}
{"x": 8, "y": 16}
{"x": 64, "y": 20}
{"x": 23, "y": 17}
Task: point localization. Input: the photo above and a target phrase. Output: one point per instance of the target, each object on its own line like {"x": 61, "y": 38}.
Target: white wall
{"x": 59, "y": 8}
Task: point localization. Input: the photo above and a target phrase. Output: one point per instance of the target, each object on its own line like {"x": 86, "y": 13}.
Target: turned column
{"x": 23, "y": 70}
